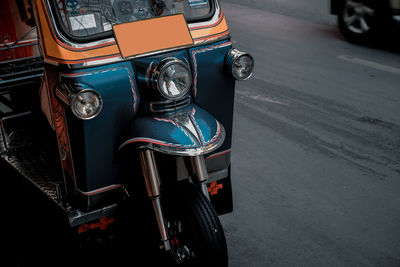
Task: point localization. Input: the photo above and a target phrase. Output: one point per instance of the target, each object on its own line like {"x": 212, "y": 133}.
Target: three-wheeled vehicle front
{"x": 139, "y": 96}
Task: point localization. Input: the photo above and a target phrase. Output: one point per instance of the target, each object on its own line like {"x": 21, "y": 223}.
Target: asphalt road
{"x": 316, "y": 148}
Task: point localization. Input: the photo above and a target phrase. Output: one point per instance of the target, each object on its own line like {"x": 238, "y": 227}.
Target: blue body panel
{"x": 214, "y": 88}
{"x": 93, "y": 142}
{"x": 189, "y": 131}
{"x": 126, "y": 91}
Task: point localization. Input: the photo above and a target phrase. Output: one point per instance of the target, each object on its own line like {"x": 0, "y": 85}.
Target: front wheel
{"x": 196, "y": 234}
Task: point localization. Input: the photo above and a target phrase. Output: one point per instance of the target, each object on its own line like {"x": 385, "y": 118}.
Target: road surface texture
{"x": 316, "y": 148}
{"x": 315, "y": 160}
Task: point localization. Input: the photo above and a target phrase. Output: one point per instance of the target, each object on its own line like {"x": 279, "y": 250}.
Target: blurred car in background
{"x": 362, "y": 21}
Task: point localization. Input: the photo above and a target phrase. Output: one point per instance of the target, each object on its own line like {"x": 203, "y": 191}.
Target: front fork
{"x": 199, "y": 175}
{"x": 198, "y": 171}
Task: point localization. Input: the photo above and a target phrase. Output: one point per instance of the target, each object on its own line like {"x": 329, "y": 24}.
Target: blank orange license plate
{"x": 145, "y": 36}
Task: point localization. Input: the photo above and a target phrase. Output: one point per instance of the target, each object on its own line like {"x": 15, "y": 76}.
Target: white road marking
{"x": 260, "y": 98}
{"x": 370, "y": 64}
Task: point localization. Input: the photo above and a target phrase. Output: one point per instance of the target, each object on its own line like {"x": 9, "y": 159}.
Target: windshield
{"x": 83, "y": 18}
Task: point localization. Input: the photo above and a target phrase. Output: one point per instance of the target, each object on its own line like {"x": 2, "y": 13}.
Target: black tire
{"x": 362, "y": 21}
{"x": 197, "y": 236}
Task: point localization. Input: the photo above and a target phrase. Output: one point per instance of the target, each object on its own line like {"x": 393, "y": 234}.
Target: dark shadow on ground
{"x": 35, "y": 234}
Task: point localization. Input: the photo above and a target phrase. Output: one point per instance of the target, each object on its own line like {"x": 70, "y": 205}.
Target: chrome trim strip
{"x": 219, "y": 154}
{"x": 99, "y": 190}
{"x": 175, "y": 149}
{"x": 98, "y": 62}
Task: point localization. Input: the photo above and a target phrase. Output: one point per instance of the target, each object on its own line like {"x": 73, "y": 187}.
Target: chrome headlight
{"x": 172, "y": 78}
{"x": 240, "y": 64}
{"x": 86, "y": 104}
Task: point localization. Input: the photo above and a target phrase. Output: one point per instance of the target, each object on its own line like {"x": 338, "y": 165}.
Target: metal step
{"x": 37, "y": 166}
{"x": 29, "y": 153}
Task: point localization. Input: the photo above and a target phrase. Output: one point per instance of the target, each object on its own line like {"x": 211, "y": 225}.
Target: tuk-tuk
{"x": 108, "y": 101}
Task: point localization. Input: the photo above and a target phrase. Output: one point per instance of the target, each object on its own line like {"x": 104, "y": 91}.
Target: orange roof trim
{"x": 55, "y": 50}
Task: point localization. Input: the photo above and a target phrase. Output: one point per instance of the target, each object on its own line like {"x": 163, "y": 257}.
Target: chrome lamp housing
{"x": 172, "y": 78}
{"x": 239, "y": 64}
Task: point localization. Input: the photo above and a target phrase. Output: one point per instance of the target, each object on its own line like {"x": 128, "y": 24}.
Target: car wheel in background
{"x": 361, "y": 21}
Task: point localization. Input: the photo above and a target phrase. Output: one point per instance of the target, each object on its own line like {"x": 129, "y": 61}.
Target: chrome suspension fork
{"x": 152, "y": 181}
{"x": 199, "y": 173}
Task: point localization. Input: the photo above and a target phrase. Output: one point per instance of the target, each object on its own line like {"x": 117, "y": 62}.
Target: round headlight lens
{"x": 87, "y": 104}
{"x": 243, "y": 67}
{"x": 240, "y": 64}
{"x": 173, "y": 78}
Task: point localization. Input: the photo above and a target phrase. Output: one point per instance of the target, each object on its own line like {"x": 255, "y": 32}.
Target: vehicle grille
{"x": 169, "y": 105}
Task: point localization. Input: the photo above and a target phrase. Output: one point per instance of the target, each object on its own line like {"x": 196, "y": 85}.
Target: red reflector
{"x": 214, "y": 187}
{"x": 102, "y": 225}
